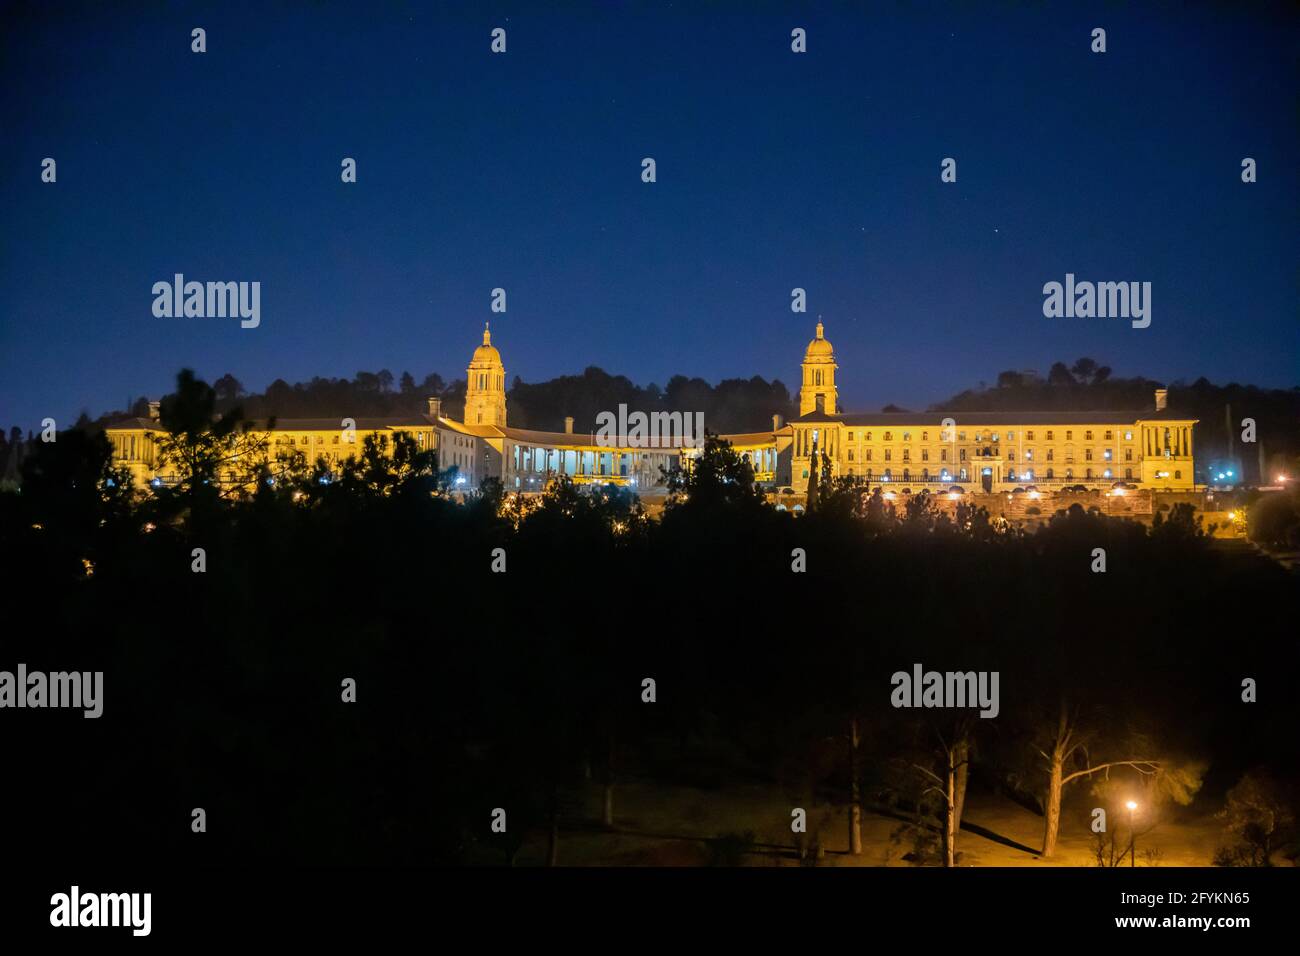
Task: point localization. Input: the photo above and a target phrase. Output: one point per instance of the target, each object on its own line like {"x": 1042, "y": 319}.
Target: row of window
{"x": 946, "y": 435}
{"x": 1107, "y": 454}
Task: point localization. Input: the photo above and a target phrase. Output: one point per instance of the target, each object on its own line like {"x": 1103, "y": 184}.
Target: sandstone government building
{"x": 1110, "y": 452}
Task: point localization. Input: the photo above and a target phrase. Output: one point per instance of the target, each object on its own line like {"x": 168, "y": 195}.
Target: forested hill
{"x": 733, "y": 405}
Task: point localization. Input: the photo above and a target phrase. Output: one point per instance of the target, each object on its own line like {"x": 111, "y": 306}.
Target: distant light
{"x": 1035, "y": 494}
{"x": 1229, "y": 474}
{"x": 1131, "y": 805}
{"x": 1281, "y": 478}
{"x": 953, "y": 496}
{"x": 1232, "y": 516}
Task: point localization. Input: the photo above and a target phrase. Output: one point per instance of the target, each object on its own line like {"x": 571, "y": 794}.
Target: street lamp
{"x": 1132, "y": 835}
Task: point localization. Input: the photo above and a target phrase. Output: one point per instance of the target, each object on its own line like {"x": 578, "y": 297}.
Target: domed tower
{"x": 485, "y": 392}
{"x": 817, "y": 393}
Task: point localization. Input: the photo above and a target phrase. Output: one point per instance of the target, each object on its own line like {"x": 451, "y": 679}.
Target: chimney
{"x": 568, "y": 424}
{"x": 776, "y": 423}
{"x": 435, "y": 408}
{"x": 1162, "y": 399}
{"x": 155, "y": 410}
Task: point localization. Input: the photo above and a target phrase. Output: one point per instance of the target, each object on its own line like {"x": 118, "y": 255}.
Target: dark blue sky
{"x": 775, "y": 170}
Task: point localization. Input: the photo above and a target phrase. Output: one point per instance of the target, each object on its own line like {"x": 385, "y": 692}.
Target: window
{"x": 907, "y": 436}
{"x": 1108, "y": 434}
{"x": 1128, "y": 436}
{"x": 1069, "y": 436}
{"x": 963, "y": 454}
{"x": 1107, "y": 454}
{"x": 850, "y": 459}
{"x": 1049, "y": 454}
{"x": 889, "y": 436}
{"x": 868, "y": 437}
{"x": 961, "y": 436}
{"x": 1049, "y": 436}
{"x": 943, "y": 454}
{"x": 1088, "y": 475}
{"x": 1178, "y": 474}
{"x": 907, "y": 456}
{"x": 1087, "y": 436}
{"x": 1128, "y": 472}
{"x": 868, "y": 458}
{"x": 1029, "y": 455}
{"x": 925, "y": 436}
{"x": 1011, "y": 456}
{"x": 888, "y": 454}
{"x": 1128, "y": 454}
{"x": 1029, "y": 436}
{"x": 1087, "y": 454}
{"x": 1050, "y": 474}
{"x": 925, "y": 456}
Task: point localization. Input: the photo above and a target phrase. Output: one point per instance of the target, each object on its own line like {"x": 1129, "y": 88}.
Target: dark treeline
{"x": 733, "y": 405}
{"x": 499, "y": 649}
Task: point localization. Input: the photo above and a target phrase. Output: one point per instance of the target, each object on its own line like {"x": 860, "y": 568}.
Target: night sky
{"x": 775, "y": 170}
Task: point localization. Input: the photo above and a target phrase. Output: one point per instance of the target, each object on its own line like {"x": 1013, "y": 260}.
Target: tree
{"x": 1010, "y": 379}
{"x": 716, "y": 477}
{"x": 1259, "y": 816}
{"x": 1084, "y": 370}
{"x": 1065, "y": 756}
{"x": 213, "y": 455}
{"x": 228, "y": 388}
{"x": 1060, "y": 375}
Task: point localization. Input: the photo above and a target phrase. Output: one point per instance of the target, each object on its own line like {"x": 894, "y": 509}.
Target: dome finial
{"x": 487, "y": 333}
{"x": 820, "y": 330}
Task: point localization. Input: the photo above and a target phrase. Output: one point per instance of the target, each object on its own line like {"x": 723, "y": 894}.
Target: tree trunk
{"x": 962, "y": 751}
{"x": 1052, "y": 809}
{"x": 607, "y": 805}
{"x": 553, "y": 844}
{"x": 855, "y": 792}
{"x": 949, "y": 829}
